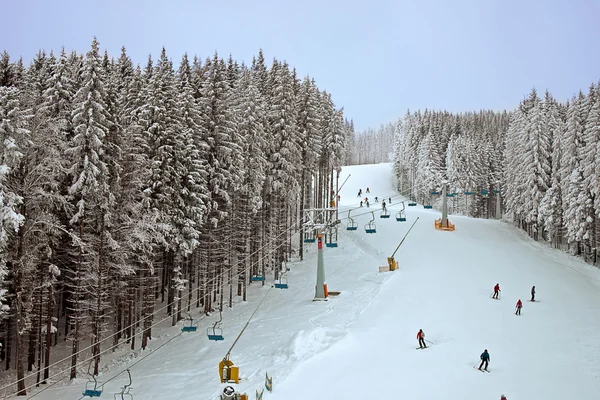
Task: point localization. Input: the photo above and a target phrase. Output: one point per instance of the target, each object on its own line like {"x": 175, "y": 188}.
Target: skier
{"x": 361, "y": 203}
{"x": 503, "y": 397}
{"x": 367, "y": 203}
{"x": 519, "y": 306}
{"x": 368, "y": 190}
{"x": 376, "y": 200}
{"x": 485, "y": 358}
{"x": 383, "y": 206}
{"x": 533, "y": 293}
{"x": 421, "y": 337}
{"x": 390, "y": 200}
{"x": 359, "y": 192}
{"x": 496, "y": 291}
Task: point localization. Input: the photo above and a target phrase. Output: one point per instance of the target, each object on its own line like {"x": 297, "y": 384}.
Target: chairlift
{"x": 215, "y": 332}
{"x": 309, "y": 237}
{"x": 370, "y": 227}
{"x": 191, "y": 327}
{"x": 384, "y": 213}
{"x": 401, "y": 215}
{"x": 412, "y": 204}
{"x": 283, "y": 281}
{"x": 95, "y": 391}
{"x": 257, "y": 278}
{"x": 352, "y": 226}
{"x": 485, "y": 192}
{"x": 125, "y": 390}
{"x": 468, "y": 193}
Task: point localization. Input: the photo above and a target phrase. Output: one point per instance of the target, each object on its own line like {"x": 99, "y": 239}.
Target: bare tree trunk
{"x": 48, "y": 332}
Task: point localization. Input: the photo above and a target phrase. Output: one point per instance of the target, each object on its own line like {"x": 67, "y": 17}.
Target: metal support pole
{"x": 321, "y": 288}
{"x": 444, "y": 204}
{"x": 498, "y": 202}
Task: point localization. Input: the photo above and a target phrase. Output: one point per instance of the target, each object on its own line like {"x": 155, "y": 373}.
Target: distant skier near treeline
{"x": 533, "y": 293}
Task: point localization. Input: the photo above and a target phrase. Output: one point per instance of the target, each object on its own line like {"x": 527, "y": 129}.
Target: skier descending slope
{"x": 532, "y": 294}
{"x": 421, "y": 337}
{"x": 503, "y": 397}
{"x": 519, "y": 306}
{"x": 496, "y": 291}
{"x": 485, "y": 358}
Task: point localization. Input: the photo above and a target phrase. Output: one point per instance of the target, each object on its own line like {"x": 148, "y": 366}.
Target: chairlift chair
{"x": 125, "y": 390}
{"x": 95, "y": 391}
{"x": 401, "y": 215}
{"x": 257, "y": 278}
{"x": 352, "y": 226}
{"x": 370, "y": 227}
{"x": 191, "y": 327}
{"x": 309, "y": 237}
{"x": 384, "y": 213}
{"x": 283, "y": 280}
{"x": 216, "y": 333}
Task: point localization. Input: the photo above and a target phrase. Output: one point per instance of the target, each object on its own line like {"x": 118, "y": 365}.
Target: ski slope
{"x": 361, "y": 344}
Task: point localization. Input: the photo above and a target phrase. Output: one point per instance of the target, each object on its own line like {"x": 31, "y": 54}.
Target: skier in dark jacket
{"x": 533, "y": 293}
{"x": 485, "y": 358}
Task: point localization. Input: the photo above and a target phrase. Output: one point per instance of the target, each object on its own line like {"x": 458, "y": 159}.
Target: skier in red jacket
{"x": 519, "y": 306}
{"x": 421, "y": 337}
{"x": 496, "y": 291}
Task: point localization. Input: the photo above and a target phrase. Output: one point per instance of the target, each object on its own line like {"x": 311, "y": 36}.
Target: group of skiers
{"x": 519, "y": 304}
{"x": 366, "y": 200}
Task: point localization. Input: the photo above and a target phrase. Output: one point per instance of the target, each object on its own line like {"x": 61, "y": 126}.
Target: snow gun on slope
{"x": 392, "y": 263}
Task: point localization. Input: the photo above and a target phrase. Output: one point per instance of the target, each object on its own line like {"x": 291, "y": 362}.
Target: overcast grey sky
{"x": 376, "y": 57}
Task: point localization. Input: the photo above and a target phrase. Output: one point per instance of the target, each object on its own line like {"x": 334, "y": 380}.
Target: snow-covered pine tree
{"x": 284, "y": 158}
{"x": 13, "y": 141}
{"x": 309, "y": 139}
{"x": 249, "y": 200}
{"x": 218, "y": 123}
{"x": 575, "y": 214}
{"x": 536, "y": 162}
{"x": 89, "y": 273}
{"x": 551, "y": 206}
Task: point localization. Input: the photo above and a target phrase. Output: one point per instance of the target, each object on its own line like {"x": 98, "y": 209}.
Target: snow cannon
{"x": 228, "y": 372}
{"x": 392, "y": 265}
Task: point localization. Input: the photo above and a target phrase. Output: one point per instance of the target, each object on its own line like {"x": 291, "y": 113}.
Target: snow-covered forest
{"x": 543, "y": 159}
{"x": 132, "y": 194}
